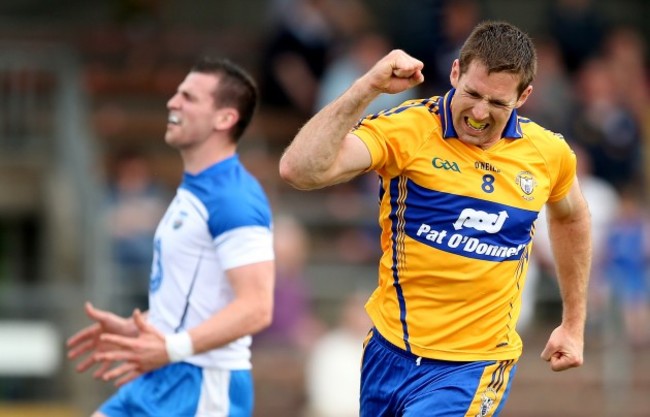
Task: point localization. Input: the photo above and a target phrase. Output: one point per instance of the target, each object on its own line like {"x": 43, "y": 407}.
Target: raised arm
{"x": 324, "y": 152}
{"x": 569, "y": 225}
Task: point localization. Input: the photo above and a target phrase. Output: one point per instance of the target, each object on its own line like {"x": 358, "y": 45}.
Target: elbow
{"x": 266, "y": 320}
{"x": 292, "y": 176}
{"x": 286, "y": 172}
{"x": 263, "y": 318}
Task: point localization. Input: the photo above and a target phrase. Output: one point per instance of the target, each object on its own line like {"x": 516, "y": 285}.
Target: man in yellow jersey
{"x": 462, "y": 180}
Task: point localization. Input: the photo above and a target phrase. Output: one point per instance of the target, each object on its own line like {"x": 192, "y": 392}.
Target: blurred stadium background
{"x": 83, "y": 87}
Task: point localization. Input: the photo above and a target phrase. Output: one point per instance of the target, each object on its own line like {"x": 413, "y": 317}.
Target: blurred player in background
{"x": 462, "y": 179}
{"x": 212, "y": 276}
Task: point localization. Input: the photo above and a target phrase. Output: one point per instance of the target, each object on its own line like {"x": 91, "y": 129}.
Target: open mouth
{"x": 476, "y": 126}
{"x": 173, "y": 119}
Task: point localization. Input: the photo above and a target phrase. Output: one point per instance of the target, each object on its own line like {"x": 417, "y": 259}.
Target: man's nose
{"x": 481, "y": 110}
{"x": 172, "y": 102}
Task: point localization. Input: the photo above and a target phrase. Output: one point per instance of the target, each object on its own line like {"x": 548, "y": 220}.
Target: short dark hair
{"x": 236, "y": 89}
{"x": 501, "y": 47}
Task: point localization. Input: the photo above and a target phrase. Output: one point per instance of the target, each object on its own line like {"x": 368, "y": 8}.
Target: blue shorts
{"x": 184, "y": 390}
{"x": 397, "y": 383}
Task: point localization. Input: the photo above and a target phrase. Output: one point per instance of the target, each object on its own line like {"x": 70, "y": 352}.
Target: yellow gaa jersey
{"x": 457, "y": 223}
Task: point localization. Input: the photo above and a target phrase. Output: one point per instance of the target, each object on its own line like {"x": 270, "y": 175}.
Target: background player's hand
{"x": 138, "y": 355}
{"x": 395, "y": 73}
{"x": 87, "y": 340}
{"x": 564, "y": 349}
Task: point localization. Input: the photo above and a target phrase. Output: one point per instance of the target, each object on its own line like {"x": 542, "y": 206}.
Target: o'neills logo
{"x": 486, "y": 166}
{"x": 527, "y": 183}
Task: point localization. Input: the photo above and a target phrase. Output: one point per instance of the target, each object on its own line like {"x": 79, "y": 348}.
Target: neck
{"x": 196, "y": 160}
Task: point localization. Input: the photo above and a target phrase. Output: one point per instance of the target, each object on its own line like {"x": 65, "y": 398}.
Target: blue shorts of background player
{"x": 184, "y": 390}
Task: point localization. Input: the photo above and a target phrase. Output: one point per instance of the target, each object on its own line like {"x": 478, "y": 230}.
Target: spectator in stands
{"x": 332, "y": 373}
{"x": 294, "y": 324}
{"x": 359, "y": 55}
{"x": 553, "y": 101}
{"x": 625, "y": 53}
{"x": 301, "y": 41}
{"x": 458, "y": 19}
{"x": 627, "y": 266}
{"x": 579, "y": 30}
{"x": 605, "y": 127}
{"x": 416, "y": 26}
{"x": 295, "y": 57}
{"x": 135, "y": 204}
{"x": 626, "y": 56}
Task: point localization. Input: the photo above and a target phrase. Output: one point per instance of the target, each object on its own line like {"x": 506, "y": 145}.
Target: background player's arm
{"x": 249, "y": 312}
{"x": 570, "y": 234}
{"x": 324, "y": 152}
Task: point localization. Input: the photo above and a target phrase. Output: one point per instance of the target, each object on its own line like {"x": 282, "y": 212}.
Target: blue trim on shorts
{"x": 241, "y": 394}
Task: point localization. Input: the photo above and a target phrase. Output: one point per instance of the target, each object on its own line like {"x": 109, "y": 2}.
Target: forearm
{"x": 237, "y": 319}
{"x": 571, "y": 242}
{"x": 310, "y": 161}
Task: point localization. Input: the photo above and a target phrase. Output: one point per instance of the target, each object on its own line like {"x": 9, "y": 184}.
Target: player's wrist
{"x": 179, "y": 346}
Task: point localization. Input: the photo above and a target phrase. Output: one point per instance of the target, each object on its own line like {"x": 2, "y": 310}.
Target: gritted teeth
{"x": 475, "y": 125}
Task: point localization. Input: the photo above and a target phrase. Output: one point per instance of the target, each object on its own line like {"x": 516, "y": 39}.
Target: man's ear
{"x": 454, "y": 75}
{"x": 226, "y": 118}
{"x": 524, "y": 96}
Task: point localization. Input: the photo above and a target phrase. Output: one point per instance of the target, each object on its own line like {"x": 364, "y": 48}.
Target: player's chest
{"x": 513, "y": 176}
{"x": 184, "y": 224}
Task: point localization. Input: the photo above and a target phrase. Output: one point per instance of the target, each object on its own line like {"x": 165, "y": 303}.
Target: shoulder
{"x": 546, "y": 141}
{"x": 232, "y": 198}
{"x": 416, "y": 118}
{"x": 416, "y": 109}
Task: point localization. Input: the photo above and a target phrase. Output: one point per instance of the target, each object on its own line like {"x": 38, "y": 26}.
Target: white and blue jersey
{"x": 220, "y": 219}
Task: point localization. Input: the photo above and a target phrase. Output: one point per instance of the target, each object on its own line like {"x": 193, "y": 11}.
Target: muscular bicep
{"x": 250, "y": 310}
{"x": 252, "y": 285}
{"x": 253, "y": 282}
{"x": 352, "y": 160}
{"x": 570, "y": 208}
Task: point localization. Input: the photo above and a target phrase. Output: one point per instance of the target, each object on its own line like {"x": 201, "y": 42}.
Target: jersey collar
{"x": 222, "y": 166}
{"x": 512, "y": 129}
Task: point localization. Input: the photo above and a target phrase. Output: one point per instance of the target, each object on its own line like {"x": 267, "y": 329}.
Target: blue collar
{"x": 223, "y": 165}
{"x": 512, "y": 129}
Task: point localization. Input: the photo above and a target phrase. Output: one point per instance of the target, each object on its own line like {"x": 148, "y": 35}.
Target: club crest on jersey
{"x": 178, "y": 222}
{"x": 527, "y": 183}
{"x": 487, "y": 401}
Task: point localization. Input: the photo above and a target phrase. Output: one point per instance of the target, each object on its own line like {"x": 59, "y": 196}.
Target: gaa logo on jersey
{"x": 440, "y": 163}
{"x": 527, "y": 183}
